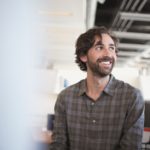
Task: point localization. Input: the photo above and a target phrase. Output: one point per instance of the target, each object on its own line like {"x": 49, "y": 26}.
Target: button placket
{"x": 92, "y": 107}
{"x": 92, "y": 103}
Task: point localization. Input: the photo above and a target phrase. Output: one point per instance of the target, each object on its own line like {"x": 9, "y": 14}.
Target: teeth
{"x": 106, "y": 62}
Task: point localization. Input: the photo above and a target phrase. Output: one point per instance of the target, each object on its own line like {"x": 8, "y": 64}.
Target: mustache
{"x": 105, "y": 58}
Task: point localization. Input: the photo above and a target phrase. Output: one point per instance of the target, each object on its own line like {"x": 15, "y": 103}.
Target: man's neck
{"x": 95, "y": 85}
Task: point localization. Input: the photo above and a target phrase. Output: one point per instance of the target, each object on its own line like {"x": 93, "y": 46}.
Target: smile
{"x": 106, "y": 62}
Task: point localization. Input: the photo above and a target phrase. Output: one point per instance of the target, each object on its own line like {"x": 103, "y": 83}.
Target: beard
{"x": 98, "y": 70}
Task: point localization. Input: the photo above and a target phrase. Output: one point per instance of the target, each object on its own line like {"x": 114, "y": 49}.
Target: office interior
{"x": 51, "y": 27}
{"x": 60, "y": 26}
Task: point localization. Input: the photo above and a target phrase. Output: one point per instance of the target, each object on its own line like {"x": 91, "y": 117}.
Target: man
{"x": 100, "y": 112}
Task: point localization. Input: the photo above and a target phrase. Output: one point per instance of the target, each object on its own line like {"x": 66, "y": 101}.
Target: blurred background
{"x": 37, "y": 53}
{"x": 62, "y": 21}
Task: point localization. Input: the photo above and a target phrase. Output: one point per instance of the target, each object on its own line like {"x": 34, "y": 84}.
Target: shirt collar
{"x": 83, "y": 87}
{"x": 109, "y": 89}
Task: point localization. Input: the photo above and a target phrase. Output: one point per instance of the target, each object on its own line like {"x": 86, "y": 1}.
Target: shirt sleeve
{"x": 59, "y": 136}
{"x": 134, "y": 124}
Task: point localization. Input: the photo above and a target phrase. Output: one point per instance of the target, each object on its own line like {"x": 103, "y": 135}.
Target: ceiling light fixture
{"x": 135, "y": 16}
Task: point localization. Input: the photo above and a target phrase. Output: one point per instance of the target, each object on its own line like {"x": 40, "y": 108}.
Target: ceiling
{"x": 130, "y": 21}
{"x": 60, "y": 22}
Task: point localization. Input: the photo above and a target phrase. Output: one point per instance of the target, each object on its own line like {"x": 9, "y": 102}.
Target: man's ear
{"x": 83, "y": 58}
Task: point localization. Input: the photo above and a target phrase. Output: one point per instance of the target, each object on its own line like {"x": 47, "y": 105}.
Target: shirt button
{"x": 92, "y": 103}
{"x": 94, "y": 121}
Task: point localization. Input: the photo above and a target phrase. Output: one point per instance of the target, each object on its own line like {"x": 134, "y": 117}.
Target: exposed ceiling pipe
{"x": 132, "y": 35}
{"x": 127, "y": 22}
{"x": 91, "y": 12}
{"x": 123, "y": 5}
{"x": 118, "y": 23}
{"x": 138, "y": 10}
{"x": 142, "y": 5}
{"x": 139, "y": 47}
{"x": 135, "y": 16}
{"x": 128, "y": 25}
{"x": 134, "y": 5}
{"x": 116, "y": 19}
{"x": 123, "y": 24}
{"x": 128, "y": 5}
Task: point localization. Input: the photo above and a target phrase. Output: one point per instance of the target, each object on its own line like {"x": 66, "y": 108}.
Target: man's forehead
{"x": 99, "y": 39}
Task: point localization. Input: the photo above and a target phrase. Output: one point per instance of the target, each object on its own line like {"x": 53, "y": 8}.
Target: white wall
{"x": 129, "y": 75}
{"x": 145, "y": 86}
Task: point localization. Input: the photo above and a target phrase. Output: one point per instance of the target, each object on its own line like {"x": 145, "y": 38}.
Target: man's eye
{"x": 99, "y": 47}
{"x": 112, "y": 48}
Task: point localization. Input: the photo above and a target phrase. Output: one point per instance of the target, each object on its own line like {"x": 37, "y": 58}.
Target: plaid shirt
{"x": 114, "y": 122}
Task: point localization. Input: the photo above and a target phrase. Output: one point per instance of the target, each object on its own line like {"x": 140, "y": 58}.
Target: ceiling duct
{"x": 135, "y": 16}
{"x": 130, "y": 22}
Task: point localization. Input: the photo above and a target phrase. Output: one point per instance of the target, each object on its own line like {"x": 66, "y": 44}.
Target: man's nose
{"x": 106, "y": 51}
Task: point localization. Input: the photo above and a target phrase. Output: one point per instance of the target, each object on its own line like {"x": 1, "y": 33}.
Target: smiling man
{"x": 99, "y": 112}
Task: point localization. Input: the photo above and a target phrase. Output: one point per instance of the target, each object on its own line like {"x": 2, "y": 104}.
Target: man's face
{"x": 102, "y": 56}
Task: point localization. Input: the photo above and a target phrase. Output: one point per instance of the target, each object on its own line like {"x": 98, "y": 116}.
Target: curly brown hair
{"x": 86, "y": 40}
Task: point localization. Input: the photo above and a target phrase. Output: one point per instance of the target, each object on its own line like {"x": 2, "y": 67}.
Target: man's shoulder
{"x": 127, "y": 86}
{"x": 72, "y": 88}
{"x": 129, "y": 92}
{"x": 123, "y": 83}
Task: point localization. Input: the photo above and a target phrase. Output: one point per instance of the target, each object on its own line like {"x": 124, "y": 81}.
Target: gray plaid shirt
{"x": 114, "y": 122}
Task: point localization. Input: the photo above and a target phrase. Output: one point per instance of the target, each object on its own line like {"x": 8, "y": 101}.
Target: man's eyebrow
{"x": 100, "y": 43}
{"x": 112, "y": 44}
